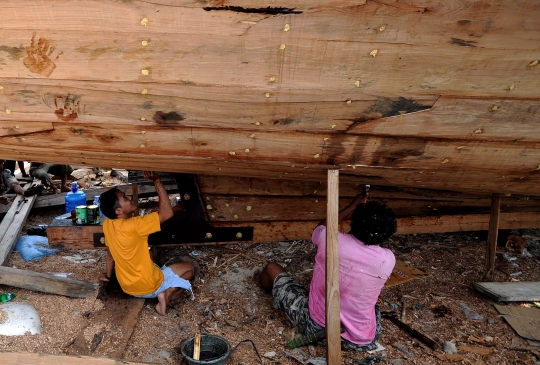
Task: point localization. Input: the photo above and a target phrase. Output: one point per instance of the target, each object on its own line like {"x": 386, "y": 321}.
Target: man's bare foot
{"x": 65, "y": 189}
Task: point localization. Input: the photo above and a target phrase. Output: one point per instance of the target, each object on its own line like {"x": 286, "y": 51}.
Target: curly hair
{"x": 108, "y": 202}
{"x": 373, "y": 223}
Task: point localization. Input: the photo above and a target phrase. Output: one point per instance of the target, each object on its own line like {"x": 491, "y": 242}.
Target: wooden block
{"x": 72, "y": 235}
{"x": 47, "y": 283}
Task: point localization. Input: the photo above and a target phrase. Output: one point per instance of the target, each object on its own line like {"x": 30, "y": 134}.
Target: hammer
{"x": 393, "y": 317}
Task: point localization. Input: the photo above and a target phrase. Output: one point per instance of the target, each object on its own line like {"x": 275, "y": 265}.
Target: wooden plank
{"x": 493, "y": 231}
{"x": 112, "y": 325}
{"x": 12, "y": 224}
{"x": 333, "y": 321}
{"x": 258, "y": 208}
{"x": 90, "y": 103}
{"x": 511, "y": 292}
{"x": 223, "y": 52}
{"x": 505, "y": 25}
{"x": 456, "y": 118}
{"x": 295, "y": 147}
{"x": 28, "y": 358}
{"x": 286, "y": 230}
{"x": 235, "y": 185}
{"x": 81, "y": 237}
{"x": 479, "y": 180}
{"x": 47, "y": 283}
{"x": 125, "y": 18}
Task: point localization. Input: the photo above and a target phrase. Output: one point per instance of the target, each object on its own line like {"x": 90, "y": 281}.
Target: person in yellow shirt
{"x": 126, "y": 238}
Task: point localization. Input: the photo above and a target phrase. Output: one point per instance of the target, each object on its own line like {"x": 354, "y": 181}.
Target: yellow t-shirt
{"x": 127, "y": 240}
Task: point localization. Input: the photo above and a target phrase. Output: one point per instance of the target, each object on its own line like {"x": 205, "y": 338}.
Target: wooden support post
{"x": 491, "y": 247}
{"x": 135, "y": 192}
{"x": 333, "y": 337}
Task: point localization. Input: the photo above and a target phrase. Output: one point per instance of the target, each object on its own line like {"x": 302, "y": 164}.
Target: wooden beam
{"x": 27, "y": 358}
{"x": 12, "y": 224}
{"x": 491, "y": 247}
{"x": 293, "y": 148}
{"x": 246, "y": 208}
{"x": 47, "y": 283}
{"x": 481, "y": 180}
{"x": 333, "y": 321}
{"x": 81, "y": 237}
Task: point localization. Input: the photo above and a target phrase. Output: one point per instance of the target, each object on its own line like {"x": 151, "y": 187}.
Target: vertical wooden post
{"x": 491, "y": 247}
{"x": 135, "y": 192}
{"x": 333, "y": 337}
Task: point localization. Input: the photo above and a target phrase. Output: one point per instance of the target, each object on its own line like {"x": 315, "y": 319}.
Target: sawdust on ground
{"x": 227, "y": 303}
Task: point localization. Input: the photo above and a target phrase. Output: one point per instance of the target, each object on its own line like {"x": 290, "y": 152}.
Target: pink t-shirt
{"x": 363, "y": 270}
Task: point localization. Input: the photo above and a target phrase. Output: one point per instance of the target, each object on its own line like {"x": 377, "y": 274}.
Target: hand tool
{"x": 393, "y": 317}
{"x": 21, "y": 202}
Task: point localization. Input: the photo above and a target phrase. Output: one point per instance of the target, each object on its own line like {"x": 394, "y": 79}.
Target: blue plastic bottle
{"x": 74, "y": 198}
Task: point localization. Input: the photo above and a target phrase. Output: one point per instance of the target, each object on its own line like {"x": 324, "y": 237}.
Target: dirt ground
{"x": 228, "y": 303}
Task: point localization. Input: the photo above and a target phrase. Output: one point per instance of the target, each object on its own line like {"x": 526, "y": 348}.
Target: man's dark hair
{"x": 108, "y": 202}
{"x": 372, "y": 223}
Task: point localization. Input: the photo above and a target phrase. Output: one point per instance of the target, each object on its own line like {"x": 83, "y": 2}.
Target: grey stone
{"x": 450, "y": 347}
{"x": 404, "y": 349}
{"x": 396, "y": 362}
{"x": 164, "y": 354}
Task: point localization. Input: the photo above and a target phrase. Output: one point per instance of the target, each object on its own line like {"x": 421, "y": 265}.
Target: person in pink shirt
{"x": 364, "y": 267}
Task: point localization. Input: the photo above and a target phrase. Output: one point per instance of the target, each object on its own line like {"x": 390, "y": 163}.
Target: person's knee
{"x": 269, "y": 274}
{"x": 273, "y": 269}
{"x": 184, "y": 270}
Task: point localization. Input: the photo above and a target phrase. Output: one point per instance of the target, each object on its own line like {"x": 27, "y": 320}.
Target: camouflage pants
{"x": 292, "y": 298}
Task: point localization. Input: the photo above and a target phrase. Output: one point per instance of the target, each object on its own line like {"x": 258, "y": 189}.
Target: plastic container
{"x": 6, "y": 297}
{"x": 74, "y": 197}
{"x": 101, "y": 215}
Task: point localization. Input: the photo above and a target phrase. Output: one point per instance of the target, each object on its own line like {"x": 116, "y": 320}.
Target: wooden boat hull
{"x": 411, "y": 94}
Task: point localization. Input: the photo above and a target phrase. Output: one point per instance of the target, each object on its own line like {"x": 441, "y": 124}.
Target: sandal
{"x": 34, "y": 190}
